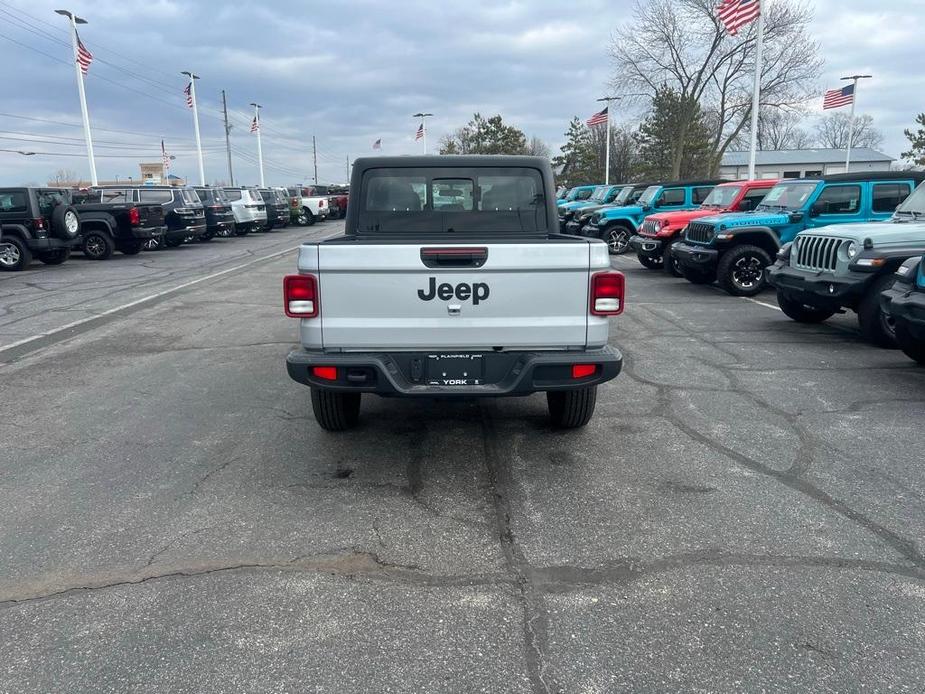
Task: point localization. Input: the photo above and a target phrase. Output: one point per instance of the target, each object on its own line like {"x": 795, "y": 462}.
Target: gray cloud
{"x": 354, "y": 71}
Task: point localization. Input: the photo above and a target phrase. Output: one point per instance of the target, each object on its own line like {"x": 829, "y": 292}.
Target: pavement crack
{"x": 535, "y": 614}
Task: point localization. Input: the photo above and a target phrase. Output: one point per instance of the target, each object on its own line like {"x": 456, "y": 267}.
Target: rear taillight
{"x": 322, "y": 203}
{"x": 39, "y": 222}
{"x": 328, "y": 373}
{"x": 300, "y": 296}
{"x": 607, "y": 291}
{"x": 134, "y": 216}
{"x": 583, "y": 370}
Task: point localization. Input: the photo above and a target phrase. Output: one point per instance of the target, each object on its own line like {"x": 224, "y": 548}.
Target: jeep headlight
{"x": 851, "y": 249}
{"x": 657, "y": 226}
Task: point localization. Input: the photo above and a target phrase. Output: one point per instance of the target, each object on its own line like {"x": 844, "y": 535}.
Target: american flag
{"x": 84, "y": 57}
{"x": 735, "y": 14}
{"x": 188, "y": 90}
{"x": 255, "y": 126}
{"x": 836, "y": 98}
{"x": 598, "y": 118}
{"x": 420, "y": 131}
{"x": 377, "y": 144}
{"x": 164, "y": 157}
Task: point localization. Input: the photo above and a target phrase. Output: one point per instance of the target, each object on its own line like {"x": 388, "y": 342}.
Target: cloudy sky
{"x": 352, "y": 71}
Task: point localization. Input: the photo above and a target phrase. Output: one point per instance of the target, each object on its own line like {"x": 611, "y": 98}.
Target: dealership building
{"x": 795, "y": 163}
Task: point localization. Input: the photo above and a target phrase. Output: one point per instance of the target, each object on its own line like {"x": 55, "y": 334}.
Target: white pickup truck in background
{"x": 451, "y": 280}
{"x": 314, "y": 206}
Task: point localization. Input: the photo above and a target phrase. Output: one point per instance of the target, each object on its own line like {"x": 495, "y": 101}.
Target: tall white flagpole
{"x": 192, "y": 93}
{"x": 73, "y": 19}
{"x": 854, "y": 98}
{"x": 259, "y": 146}
{"x": 756, "y": 95}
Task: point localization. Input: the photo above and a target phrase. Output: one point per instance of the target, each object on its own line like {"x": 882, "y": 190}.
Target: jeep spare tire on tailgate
{"x": 451, "y": 280}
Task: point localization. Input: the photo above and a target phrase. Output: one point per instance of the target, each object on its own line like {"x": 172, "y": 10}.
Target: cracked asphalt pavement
{"x": 744, "y": 513}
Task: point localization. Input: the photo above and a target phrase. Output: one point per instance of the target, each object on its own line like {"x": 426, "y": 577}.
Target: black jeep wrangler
{"x": 37, "y": 222}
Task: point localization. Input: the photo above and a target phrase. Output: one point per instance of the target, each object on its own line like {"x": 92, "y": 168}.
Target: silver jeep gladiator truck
{"x": 452, "y": 280}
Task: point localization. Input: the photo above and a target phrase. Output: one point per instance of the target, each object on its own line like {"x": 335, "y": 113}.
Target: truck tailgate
{"x": 383, "y": 297}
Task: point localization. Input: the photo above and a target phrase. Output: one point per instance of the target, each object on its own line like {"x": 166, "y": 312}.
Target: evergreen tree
{"x": 577, "y": 160}
{"x": 485, "y": 136}
{"x": 663, "y": 153}
{"x": 916, "y": 153}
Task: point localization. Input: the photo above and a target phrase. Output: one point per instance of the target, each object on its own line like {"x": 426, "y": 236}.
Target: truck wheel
{"x": 670, "y": 263}
{"x": 335, "y": 411}
{"x": 742, "y": 270}
{"x": 697, "y": 276}
{"x": 800, "y": 312}
{"x": 14, "y": 254}
{"x": 153, "y": 244}
{"x": 308, "y": 216}
{"x": 651, "y": 263}
{"x": 617, "y": 239}
{"x": 877, "y": 327}
{"x": 97, "y": 245}
{"x": 65, "y": 224}
{"x": 912, "y": 348}
{"x": 570, "y": 409}
{"x": 129, "y": 247}
{"x": 55, "y": 257}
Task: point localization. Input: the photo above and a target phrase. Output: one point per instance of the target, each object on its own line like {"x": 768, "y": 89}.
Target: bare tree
{"x": 778, "y": 129}
{"x": 681, "y": 44}
{"x": 832, "y": 131}
{"x": 537, "y": 148}
{"x": 65, "y": 176}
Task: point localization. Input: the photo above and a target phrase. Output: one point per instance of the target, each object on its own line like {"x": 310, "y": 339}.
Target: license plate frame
{"x": 455, "y": 369}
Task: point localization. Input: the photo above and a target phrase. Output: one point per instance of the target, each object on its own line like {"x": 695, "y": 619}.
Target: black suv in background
{"x": 277, "y": 207}
{"x": 219, "y": 216}
{"x": 184, "y": 214}
{"x": 39, "y": 222}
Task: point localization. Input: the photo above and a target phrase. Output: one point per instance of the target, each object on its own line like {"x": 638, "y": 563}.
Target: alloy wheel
{"x": 618, "y": 240}
{"x": 747, "y": 272}
{"x": 94, "y": 246}
{"x": 9, "y": 255}
{"x": 151, "y": 244}
{"x": 71, "y": 223}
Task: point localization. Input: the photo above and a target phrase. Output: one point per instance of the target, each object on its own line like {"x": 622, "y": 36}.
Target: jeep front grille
{"x": 699, "y": 232}
{"x": 818, "y": 253}
{"x": 648, "y": 227}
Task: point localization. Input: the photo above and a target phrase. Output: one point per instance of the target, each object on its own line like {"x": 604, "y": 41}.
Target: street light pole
{"x": 192, "y": 94}
{"x": 259, "y": 146}
{"x": 74, "y": 20}
{"x": 423, "y": 117}
{"x": 227, "y": 138}
{"x": 854, "y": 98}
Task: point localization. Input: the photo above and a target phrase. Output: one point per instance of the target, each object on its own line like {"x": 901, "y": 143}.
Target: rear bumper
{"x": 907, "y": 308}
{"x": 695, "y": 257}
{"x": 144, "y": 233}
{"x": 52, "y": 244}
{"x": 404, "y": 373}
{"x": 819, "y": 289}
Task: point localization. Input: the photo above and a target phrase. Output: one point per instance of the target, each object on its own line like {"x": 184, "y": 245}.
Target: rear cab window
{"x": 446, "y": 200}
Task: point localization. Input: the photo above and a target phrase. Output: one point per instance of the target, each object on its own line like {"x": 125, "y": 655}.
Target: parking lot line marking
{"x": 761, "y": 303}
{"x": 145, "y": 299}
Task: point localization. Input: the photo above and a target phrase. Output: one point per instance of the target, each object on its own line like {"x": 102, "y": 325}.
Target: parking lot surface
{"x": 744, "y": 512}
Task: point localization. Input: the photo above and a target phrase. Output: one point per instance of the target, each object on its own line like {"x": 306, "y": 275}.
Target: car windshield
{"x": 599, "y": 193}
{"x": 721, "y": 196}
{"x": 914, "y": 205}
{"x": 649, "y": 195}
{"x": 477, "y": 199}
{"x": 623, "y": 195}
{"x": 788, "y": 196}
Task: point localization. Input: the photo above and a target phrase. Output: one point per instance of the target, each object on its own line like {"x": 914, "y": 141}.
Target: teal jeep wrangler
{"x": 736, "y": 249}
{"x": 904, "y": 304}
{"x": 616, "y": 225}
{"x": 848, "y": 266}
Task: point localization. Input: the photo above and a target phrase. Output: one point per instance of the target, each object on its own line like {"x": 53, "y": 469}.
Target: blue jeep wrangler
{"x": 576, "y": 193}
{"x": 735, "y": 250}
{"x": 602, "y": 195}
{"x": 904, "y": 303}
{"x": 627, "y": 194}
{"x": 616, "y": 225}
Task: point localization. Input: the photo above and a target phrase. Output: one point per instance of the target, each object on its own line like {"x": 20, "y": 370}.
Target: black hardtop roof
{"x": 450, "y": 161}
{"x": 697, "y": 182}
{"x": 918, "y": 176}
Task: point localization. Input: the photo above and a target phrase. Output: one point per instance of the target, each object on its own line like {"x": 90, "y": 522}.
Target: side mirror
{"x": 815, "y": 210}
{"x": 746, "y": 206}
{"x": 797, "y": 216}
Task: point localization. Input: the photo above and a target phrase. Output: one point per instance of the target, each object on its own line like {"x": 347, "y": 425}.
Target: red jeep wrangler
{"x": 658, "y": 231}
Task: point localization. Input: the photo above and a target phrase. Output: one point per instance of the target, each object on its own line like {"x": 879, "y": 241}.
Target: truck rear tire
{"x": 801, "y": 312}
{"x": 309, "y": 217}
{"x": 912, "y": 348}
{"x": 335, "y": 411}
{"x": 876, "y": 327}
{"x": 97, "y": 245}
{"x": 571, "y": 409}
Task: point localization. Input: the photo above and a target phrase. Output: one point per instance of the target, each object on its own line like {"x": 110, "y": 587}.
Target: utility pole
{"x": 347, "y": 180}
{"x": 192, "y": 96}
{"x": 423, "y": 117}
{"x": 315, "y": 158}
{"x": 609, "y": 101}
{"x": 854, "y": 98}
{"x": 227, "y": 138}
{"x": 256, "y": 128}
{"x": 74, "y": 20}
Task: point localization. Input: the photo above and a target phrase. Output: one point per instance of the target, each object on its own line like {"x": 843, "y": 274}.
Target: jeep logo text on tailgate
{"x": 462, "y": 291}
